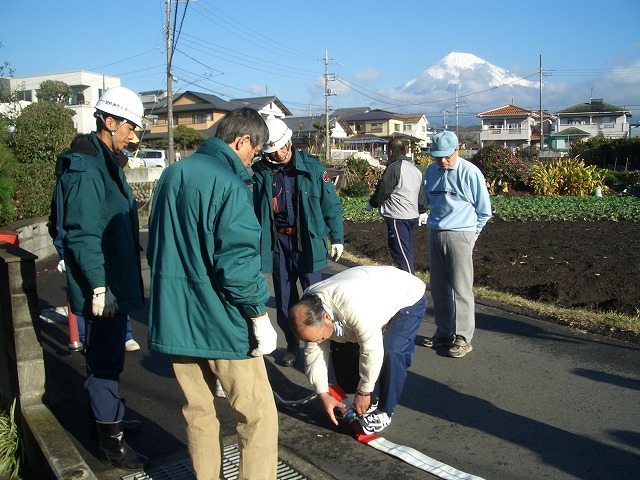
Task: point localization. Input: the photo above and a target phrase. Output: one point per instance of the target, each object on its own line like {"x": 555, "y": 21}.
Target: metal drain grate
{"x": 182, "y": 470}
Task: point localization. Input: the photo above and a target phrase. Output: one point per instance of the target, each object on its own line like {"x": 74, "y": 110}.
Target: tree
{"x": 186, "y": 137}
{"x": 54, "y": 91}
{"x": 7, "y": 172}
{"x": 42, "y": 130}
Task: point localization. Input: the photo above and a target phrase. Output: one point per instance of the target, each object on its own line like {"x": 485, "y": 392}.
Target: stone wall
{"x": 49, "y": 452}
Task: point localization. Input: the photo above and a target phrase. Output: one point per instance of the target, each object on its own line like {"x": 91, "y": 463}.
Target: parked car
{"x": 133, "y": 160}
{"x": 153, "y": 158}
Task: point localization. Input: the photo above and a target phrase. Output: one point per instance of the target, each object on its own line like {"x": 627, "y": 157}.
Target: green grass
{"x": 536, "y": 209}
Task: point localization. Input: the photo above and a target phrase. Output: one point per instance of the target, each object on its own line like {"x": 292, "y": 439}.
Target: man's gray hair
{"x": 309, "y": 311}
{"x": 240, "y": 122}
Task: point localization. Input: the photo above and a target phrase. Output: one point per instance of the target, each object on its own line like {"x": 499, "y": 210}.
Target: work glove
{"x": 368, "y": 207}
{"x": 265, "y": 335}
{"x": 336, "y": 251}
{"x": 61, "y": 266}
{"x": 103, "y": 303}
{"x": 422, "y": 219}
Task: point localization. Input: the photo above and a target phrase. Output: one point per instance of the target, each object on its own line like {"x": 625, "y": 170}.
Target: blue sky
{"x": 255, "y": 47}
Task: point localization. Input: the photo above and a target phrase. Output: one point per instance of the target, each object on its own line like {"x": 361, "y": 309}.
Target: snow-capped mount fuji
{"x": 463, "y": 72}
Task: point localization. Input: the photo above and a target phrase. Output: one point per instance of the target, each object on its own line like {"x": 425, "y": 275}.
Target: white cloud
{"x": 367, "y": 76}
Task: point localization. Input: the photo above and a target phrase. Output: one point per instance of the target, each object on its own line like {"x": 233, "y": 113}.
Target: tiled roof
{"x": 506, "y": 110}
{"x": 595, "y": 106}
{"x": 571, "y": 132}
{"x": 372, "y": 115}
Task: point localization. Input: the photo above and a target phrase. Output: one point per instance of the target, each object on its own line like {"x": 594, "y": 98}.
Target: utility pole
{"x": 327, "y": 93}
{"x": 458, "y": 105}
{"x": 445, "y": 115}
{"x": 170, "y": 149}
{"x": 327, "y": 132}
{"x": 541, "y": 112}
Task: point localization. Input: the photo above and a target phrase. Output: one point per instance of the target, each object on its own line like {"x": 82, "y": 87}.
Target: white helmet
{"x": 279, "y": 135}
{"x": 122, "y": 103}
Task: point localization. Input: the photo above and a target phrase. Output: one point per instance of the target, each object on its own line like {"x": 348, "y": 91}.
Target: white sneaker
{"x": 131, "y": 346}
{"x": 374, "y": 422}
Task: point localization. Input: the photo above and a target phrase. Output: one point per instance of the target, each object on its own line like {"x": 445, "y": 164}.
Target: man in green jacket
{"x": 98, "y": 221}
{"x": 207, "y": 301}
{"x": 298, "y": 209}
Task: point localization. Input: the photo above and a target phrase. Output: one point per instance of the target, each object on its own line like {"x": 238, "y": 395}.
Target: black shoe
{"x": 290, "y": 356}
{"x": 114, "y": 449}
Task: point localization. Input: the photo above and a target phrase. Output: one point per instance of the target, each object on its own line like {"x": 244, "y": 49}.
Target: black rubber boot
{"x": 114, "y": 449}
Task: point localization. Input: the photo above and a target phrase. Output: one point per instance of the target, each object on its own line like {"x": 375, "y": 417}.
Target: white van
{"x": 153, "y": 158}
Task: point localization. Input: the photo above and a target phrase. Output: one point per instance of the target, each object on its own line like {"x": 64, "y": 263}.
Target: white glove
{"x": 61, "y": 266}
{"x": 422, "y": 219}
{"x": 336, "y": 251}
{"x": 265, "y": 335}
{"x": 103, "y": 304}
{"x": 368, "y": 207}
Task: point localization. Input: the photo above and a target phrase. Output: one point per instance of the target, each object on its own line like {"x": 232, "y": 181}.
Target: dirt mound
{"x": 592, "y": 265}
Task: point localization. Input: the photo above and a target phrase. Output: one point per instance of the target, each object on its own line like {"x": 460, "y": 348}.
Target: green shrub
{"x": 569, "y": 177}
{"x": 500, "y": 166}
{"x": 10, "y": 451}
{"x": 42, "y": 130}
{"x": 357, "y": 188}
{"x": 7, "y": 172}
{"x": 360, "y": 177}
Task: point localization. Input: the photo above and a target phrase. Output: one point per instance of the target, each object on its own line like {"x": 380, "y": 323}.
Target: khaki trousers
{"x": 247, "y": 387}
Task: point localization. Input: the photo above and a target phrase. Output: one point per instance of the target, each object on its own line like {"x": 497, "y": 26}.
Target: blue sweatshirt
{"x": 458, "y": 197}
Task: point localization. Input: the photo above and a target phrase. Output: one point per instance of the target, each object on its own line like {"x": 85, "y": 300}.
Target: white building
{"x": 87, "y": 88}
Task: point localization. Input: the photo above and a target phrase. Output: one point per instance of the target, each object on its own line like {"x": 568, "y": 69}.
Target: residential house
{"x": 201, "y": 111}
{"x": 375, "y": 128}
{"x": 87, "y": 88}
{"x": 268, "y": 107}
{"x": 596, "y": 118}
{"x": 512, "y": 127}
{"x": 417, "y": 125}
{"x": 196, "y": 110}
{"x": 307, "y": 131}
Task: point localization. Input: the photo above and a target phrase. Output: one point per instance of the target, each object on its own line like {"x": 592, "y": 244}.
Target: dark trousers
{"x": 289, "y": 267}
{"x": 105, "y": 361}
{"x": 400, "y": 242}
{"x": 399, "y": 351}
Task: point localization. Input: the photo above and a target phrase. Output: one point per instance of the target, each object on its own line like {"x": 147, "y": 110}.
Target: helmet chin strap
{"x": 113, "y": 132}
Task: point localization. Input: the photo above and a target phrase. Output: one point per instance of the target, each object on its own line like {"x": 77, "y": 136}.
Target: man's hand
{"x": 361, "y": 402}
{"x": 103, "y": 303}
{"x": 329, "y": 403}
{"x": 368, "y": 207}
{"x": 422, "y": 219}
{"x": 336, "y": 251}
{"x": 61, "y": 266}
{"x": 265, "y": 335}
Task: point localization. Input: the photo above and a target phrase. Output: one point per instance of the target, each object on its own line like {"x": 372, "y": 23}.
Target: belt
{"x": 287, "y": 230}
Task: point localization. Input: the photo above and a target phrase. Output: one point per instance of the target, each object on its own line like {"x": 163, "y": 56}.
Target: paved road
{"x": 533, "y": 400}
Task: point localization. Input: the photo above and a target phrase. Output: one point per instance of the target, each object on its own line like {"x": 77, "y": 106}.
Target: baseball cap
{"x": 444, "y": 144}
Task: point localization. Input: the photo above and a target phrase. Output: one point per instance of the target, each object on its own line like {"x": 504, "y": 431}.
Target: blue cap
{"x": 444, "y": 144}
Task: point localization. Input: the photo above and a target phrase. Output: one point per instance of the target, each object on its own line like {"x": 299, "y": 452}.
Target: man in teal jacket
{"x": 98, "y": 221}
{"x": 207, "y": 302}
{"x": 298, "y": 209}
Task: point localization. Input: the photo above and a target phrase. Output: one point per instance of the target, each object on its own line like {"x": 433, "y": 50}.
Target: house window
{"x": 396, "y": 127}
{"x": 359, "y": 128}
{"x": 376, "y": 127}
{"x": 202, "y": 117}
{"x": 24, "y": 95}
